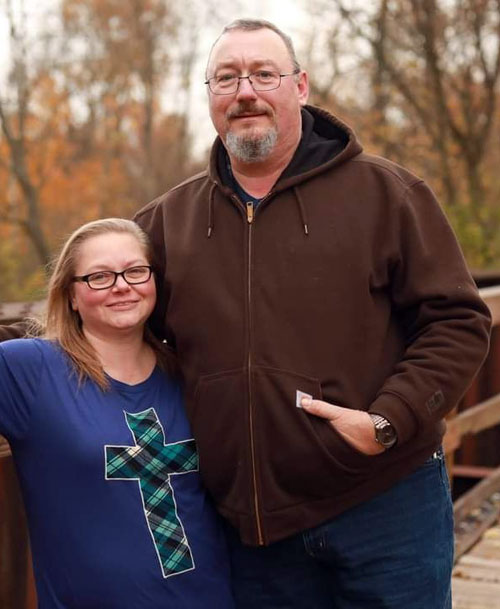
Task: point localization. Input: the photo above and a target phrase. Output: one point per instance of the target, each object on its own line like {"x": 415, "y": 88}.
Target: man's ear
{"x": 303, "y": 87}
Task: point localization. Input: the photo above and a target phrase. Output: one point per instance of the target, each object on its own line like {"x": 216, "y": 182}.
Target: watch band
{"x": 379, "y": 420}
{"x": 385, "y": 434}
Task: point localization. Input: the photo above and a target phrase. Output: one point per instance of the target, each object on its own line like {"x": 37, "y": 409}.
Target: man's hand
{"x": 355, "y": 426}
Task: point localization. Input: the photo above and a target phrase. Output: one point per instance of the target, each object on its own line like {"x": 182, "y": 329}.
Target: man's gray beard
{"x": 248, "y": 149}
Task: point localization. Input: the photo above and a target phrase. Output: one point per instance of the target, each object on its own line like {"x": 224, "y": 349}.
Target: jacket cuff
{"x": 398, "y": 413}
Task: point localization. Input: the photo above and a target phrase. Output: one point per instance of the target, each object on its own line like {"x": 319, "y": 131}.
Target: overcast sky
{"x": 287, "y": 15}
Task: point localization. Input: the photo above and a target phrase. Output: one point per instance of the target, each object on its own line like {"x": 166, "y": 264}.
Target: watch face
{"x": 386, "y": 436}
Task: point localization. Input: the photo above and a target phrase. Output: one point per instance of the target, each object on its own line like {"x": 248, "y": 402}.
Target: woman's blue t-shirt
{"x": 116, "y": 511}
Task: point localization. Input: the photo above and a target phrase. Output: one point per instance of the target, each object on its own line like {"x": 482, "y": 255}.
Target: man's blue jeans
{"x": 394, "y": 551}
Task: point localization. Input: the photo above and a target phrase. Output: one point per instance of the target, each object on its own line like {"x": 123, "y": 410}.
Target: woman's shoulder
{"x": 29, "y": 350}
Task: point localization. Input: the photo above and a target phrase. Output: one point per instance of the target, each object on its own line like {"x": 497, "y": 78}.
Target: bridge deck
{"x": 476, "y": 576}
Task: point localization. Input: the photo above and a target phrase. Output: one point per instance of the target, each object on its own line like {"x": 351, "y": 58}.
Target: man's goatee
{"x": 248, "y": 149}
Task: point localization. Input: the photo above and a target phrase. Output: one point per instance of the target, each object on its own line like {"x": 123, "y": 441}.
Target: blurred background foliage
{"x": 101, "y": 111}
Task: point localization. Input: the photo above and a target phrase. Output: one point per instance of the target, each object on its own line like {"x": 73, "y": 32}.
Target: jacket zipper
{"x": 250, "y": 216}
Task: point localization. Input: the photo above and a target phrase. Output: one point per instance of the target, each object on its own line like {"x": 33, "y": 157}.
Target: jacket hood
{"x": 326, "y": 141}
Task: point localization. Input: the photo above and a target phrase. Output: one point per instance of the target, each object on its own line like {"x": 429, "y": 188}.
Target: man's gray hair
{"x": 251, "y": 25}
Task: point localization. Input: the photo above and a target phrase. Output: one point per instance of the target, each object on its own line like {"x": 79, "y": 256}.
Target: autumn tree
{"x": 84, "y": 134}
{"x": 16, "y": 122}
{"x": 125, "y": 58}
{"x": 428, "y": 91}
{"x": 99, "y": 124}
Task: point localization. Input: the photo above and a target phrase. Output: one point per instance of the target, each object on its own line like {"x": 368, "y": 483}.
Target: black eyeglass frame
{"x": 249, "y": 78}
{"x": 88, "y": 278}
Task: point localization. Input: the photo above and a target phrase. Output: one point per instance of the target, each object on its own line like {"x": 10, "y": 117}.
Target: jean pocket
{"x": 434, "y": 459}
{"x": 437, "y": 460}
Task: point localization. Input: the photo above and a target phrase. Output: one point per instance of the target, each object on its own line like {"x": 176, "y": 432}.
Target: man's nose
{"x": 245, "y": 90}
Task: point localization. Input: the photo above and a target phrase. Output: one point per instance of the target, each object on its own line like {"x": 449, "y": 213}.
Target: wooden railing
{"x": 14, "y": 311}
{"x": 479, "y": 508}
{"x": 17, "y": 589}
{"x": 474, "y": 511}
{"x": 4, "y": 448}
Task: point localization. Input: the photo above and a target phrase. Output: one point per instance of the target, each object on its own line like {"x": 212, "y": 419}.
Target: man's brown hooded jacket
{"x": 345, "y": 283}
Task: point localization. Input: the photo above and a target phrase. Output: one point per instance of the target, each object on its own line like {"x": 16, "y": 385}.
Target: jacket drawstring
{"x": 211, "y": 217}
{"x": 302, "y": 210}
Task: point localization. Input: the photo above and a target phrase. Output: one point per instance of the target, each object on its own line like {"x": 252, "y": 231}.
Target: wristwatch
{"x": 385, "y": 434}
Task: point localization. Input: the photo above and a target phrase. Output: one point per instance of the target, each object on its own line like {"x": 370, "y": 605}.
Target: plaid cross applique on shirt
{"x": 151, "y": 462}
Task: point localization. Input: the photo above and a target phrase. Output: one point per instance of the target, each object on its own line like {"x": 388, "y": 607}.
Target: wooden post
{"x": 16, "y": 578}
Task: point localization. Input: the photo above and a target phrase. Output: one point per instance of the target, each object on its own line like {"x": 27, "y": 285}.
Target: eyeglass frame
{"x": 249, "y": 78}
{"x": 86, "y": 278}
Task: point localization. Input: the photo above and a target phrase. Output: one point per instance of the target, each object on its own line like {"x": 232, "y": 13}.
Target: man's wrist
{"x": 385, "y": 433}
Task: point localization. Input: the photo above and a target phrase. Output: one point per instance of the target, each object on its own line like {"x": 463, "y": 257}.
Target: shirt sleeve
{"x": 446, "y": 324}
{"x": 21, "y": 363}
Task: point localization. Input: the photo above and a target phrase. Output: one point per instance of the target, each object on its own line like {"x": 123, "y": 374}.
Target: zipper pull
{"x": 249, "y": 212}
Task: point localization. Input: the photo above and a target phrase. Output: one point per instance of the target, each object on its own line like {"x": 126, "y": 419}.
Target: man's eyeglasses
{"x": 227, "y": 83}
{"x": 101, "y": 280}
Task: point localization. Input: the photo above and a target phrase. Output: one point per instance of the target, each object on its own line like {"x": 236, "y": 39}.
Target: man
{"x": 325, "y": 324}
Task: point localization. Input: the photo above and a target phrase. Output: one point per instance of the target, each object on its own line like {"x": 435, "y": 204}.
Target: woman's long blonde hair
{"x": 64, "y": 325}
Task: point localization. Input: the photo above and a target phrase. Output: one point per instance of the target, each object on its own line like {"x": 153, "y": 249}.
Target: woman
{"x": 105, "y": 456}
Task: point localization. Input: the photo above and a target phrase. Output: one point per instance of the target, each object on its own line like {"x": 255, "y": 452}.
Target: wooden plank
{"x": 475, "y": 497}
{"x": 16, "y": 579}
{"x": 476, "y": 576}
{"x": 488, "y": 547}
{"x": 488, "y": 563}
{"x": 483, "y": 572}
{"x": 472, "y": 471}
{"x": 482, "y": 416}
{"x": 475, "y": 512}
{"x": 469, "y": 594}
{"x": 468, "y": 532}
{"x": 471, "y": 421}
{"x": 492, "y": 298}
{"x": 4, "y": 448}
{"x": 14, "y": 311}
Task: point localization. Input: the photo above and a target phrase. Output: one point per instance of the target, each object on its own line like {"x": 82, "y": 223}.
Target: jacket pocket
{"x": 301, "y": 457}
{"x": 220, "y": 425}
{"x": 296, "y": 457}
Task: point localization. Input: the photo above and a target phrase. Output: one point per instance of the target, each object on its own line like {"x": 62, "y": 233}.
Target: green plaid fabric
{"x": 151, "y": 462}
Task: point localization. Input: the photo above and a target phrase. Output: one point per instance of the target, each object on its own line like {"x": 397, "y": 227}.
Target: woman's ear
{"x": 72, "y": 301}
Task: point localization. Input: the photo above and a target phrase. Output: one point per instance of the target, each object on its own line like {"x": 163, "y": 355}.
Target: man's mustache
{"x": 243, "y": 109}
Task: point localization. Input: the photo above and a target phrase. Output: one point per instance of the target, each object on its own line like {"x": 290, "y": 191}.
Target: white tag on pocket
{"x": 298, "y": 398}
